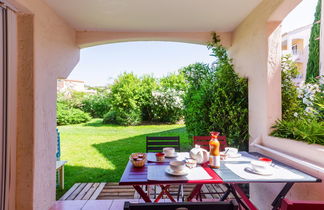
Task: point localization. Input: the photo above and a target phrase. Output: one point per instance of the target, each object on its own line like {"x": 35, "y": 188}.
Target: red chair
{"x": 301, "y": 205}
{"x": 203, "y": 141}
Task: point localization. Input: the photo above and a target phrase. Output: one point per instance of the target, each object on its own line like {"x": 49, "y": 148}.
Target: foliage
{"x": 167, "y": 105}
{"x": 310, "y": 131}
{"x": 313, "y": 58}
{"x": 174, "y": 81}
{"x": 97, "y": 104}
{"x": 197, "y": 100}
{"x": 148, "y": 85}
{"x": 125, "y": 94}
{"x": 69, "y": 115}
{"x": 302, "y": 107}
{"x": 99, "y": 152}
{"x": 229, "y": 106}
{"x": 73, "y": 99}
{"x": 217, "y": 98}
{"x": 291, "y": 105}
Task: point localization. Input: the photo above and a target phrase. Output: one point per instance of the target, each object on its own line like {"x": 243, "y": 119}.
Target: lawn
{"x": 98, "y": 153}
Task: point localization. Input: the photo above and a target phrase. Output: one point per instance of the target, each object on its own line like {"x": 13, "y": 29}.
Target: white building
{"x": 296, "y": 43}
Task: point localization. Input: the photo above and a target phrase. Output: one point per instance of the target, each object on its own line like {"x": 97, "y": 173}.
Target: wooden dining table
{"x": 228, "y": 174}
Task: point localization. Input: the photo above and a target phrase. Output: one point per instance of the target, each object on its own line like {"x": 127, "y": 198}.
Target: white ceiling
{"x": 154, "y": 15}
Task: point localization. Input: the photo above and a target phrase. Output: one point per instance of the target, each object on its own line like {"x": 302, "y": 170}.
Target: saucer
{"x": 264, "y": 173}
{"x": 184, "y": 172}
{"x": 172, "y": 156}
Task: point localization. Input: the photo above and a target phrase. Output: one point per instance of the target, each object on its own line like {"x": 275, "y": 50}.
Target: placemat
{"x": 278, "y": 172}
{"x": 157, "y": 173}
{"x": 181, "y": 156}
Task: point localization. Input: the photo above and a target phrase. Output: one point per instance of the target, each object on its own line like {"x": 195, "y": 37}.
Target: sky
{"x": 100, "y": 65}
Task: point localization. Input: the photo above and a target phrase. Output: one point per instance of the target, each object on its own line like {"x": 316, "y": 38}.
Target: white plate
{"x": 264, "y": 173}
{"x": 237, "y": 155}
{"x": 184, "y": 172}
{"x": 172, "y": 156}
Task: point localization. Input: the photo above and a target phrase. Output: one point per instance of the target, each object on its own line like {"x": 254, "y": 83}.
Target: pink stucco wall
{"x": 55, "y": 55}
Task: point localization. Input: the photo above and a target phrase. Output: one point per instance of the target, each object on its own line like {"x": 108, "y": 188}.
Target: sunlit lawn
{"x": 99, "y": 153}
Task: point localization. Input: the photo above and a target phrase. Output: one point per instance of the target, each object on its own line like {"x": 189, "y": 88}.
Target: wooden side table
{"x": 60, "y": 169}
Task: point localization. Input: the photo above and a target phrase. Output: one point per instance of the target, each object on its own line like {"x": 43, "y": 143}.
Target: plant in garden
{"x": 174, "y": 81}
{"x": 197, "y": 100}
{"x": 125, "y": 94}
{"x": 217, "y": 98}
{"x": 97, "y": 104}
{"x": 229, "y": 105}
{"x": 310, "y": 131}
{"x": 68, "y": 115}
{"x": 291, "y": 105}
{"x": 313, "y": 58}
{"x": 167, "y": 105}
{"x": 148, "y": 85}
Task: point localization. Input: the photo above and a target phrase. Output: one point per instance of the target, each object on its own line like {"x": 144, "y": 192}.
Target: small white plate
{"x": 184, "y": 172}
{"x": 172, "y": 156}
{"x": 237, "y": 155}
{"x": 264, "y": 173}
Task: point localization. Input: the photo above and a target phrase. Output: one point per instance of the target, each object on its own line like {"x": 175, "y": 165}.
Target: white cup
{"x": 177, "y": 165}
{"x": 231, "y": 151}
{"x": 260, "y": 166}
{"x": 169, "y": 151}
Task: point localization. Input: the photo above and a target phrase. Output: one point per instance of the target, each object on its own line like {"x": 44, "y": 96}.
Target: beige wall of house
{"x": 255, "y": 46}
{"x": 47, "y": 51}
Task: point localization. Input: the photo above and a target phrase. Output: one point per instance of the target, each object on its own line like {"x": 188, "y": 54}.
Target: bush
{"x": 148, "y": 85}
{"x": 197, "y": 100}
{"x": 309, "y": 131}
{"x": 229, "y": 105}
{"x": 67, "y": 115}
{"x": 125, "y": 95}
{"x": 97, "y": 104}
{"x": 291, "y": 105}
{"x": 174, "y": 81}
{"x": 167, "y": 106}
{"x": 217, "y": 99}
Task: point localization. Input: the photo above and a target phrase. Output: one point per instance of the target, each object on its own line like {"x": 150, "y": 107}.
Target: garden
{"x": 100, "y": 129}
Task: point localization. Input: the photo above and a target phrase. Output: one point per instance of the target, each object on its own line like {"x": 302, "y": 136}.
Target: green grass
{"x": 99, "y": 153}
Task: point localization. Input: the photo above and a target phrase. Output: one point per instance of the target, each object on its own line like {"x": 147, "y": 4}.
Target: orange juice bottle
{"x": 214, "y": 155}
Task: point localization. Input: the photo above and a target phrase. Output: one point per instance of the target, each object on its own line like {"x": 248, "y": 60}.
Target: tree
{"x": 313, "y": 58}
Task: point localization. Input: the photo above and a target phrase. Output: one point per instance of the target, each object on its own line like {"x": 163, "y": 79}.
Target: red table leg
{"x": 194, "y": 192}
{"x": 140, "y": 191}
{"x": 245, "y": 199}
{"x": 164, "y": 190}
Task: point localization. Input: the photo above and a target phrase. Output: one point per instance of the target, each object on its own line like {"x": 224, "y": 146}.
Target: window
{"x": 294, "y": 49}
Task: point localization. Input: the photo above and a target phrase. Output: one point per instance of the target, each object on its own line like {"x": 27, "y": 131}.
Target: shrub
{"x": 310, "y": 131}
{"x": 291, "y": 105}
{"x": 97, "y": 104}
{"x": 148, "y": 85}
{"x": 125, "y": 94}
{"x": 217, "y": 99}
{"x": 174, "y": 81}
{"x": 196, "y": 99}
{"x": 67, "y": 115}
{"x": 167, "y": 105}
{"x": 229, "y": 105}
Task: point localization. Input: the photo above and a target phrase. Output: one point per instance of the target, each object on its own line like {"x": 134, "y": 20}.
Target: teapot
{"x": 199, "y": 154}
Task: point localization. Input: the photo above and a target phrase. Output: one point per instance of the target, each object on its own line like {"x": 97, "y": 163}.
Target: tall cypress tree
{"x": 313, "y": 58}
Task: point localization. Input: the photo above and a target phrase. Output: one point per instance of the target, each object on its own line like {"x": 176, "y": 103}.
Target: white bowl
{"x": 177, "y": 165}
{"x": 258, "y": 165}
{"x": 231, "y": 151}
{"x": 168, "y": 151}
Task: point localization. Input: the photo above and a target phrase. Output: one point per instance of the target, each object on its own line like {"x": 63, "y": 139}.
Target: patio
{"x": 43, "y": 41}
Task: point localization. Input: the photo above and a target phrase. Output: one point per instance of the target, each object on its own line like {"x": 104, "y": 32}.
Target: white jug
{"x": 199, "y": 154}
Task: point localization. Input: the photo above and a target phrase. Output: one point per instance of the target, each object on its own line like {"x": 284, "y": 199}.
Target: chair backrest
{"x": 58, "y": 145}
{"x": 220, "y": 205}
{"x": 156, "y": 144}
{"x": 203, "y": 141}
{"x": 301, "y": 205}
